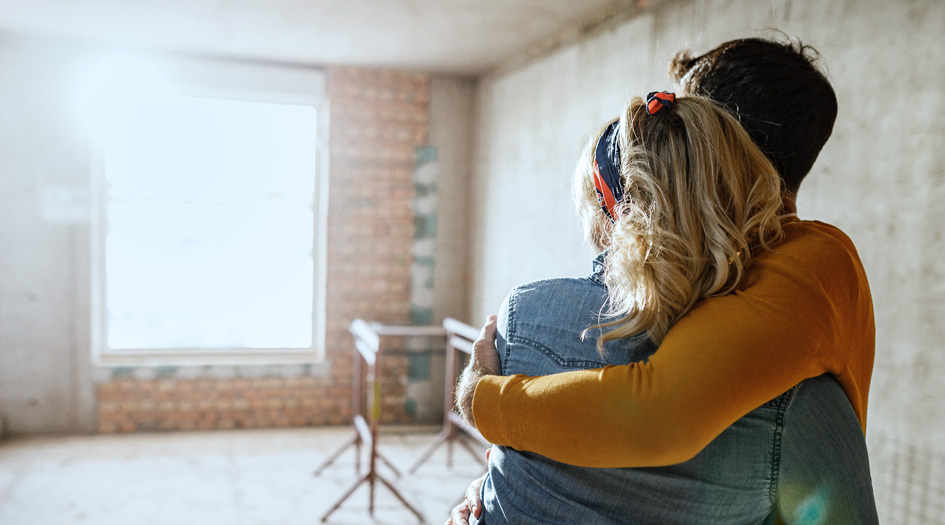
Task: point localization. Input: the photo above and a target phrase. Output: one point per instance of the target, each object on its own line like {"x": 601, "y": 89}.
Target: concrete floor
{"x": 224, "y": 477}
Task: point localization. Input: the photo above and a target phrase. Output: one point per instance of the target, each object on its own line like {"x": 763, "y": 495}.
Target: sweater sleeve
{"x": 788, "y": 321}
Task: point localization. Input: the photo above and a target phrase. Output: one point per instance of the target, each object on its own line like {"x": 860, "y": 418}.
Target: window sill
{"x": 129, "y": 358}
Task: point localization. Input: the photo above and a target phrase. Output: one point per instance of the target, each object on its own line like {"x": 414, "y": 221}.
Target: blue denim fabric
{"x": 801, "y": 454}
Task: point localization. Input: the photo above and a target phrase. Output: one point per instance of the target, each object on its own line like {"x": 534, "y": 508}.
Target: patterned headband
{"x": 607, "y": 179}
{"x": 659, "y": 101}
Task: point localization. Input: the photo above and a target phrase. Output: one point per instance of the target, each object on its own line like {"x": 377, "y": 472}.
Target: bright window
{"x": 208, "y": 228}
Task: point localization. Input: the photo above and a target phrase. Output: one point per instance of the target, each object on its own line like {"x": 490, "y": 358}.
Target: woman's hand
{"x": 484, "y": 362}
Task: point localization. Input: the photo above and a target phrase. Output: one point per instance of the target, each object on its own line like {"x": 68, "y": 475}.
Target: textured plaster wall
{"x": 441, "y": 273}
{"x": 45, "y": 371}
{"x": 880, "y": 178}
{"x": 452, "y": 125}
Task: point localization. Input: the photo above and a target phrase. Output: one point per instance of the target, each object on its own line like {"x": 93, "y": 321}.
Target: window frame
{"x": 251, "y": 82}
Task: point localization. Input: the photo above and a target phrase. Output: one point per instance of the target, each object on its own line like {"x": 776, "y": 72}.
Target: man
{"x": 802, "y": 311}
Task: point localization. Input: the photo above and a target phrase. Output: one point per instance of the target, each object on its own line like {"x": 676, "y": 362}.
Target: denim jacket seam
{"x": 597, "y": 279}
{"x": 551, "y": 354}
{"x": 784, "y": 402}
{"x": 510, "y": 335}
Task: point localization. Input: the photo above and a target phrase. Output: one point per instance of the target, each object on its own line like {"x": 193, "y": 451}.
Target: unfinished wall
{"x": 43, "y": 384}
{"x": 452, "y": 121}
{"x": 442, "y": 185}
{"x": 880, "y": 178}
{"x": 379, "y": 133}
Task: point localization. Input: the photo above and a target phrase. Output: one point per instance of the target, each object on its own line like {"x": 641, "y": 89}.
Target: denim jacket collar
{"x": 598, "y": 269}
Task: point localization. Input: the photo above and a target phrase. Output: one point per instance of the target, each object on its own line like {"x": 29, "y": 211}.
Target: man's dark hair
{"x": 782, "y": 100}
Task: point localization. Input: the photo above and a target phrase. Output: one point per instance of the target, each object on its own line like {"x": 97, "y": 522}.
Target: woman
{"x": 676, "y": 197}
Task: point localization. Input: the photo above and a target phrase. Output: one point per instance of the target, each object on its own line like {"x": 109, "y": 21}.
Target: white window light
{"x": 210, "y": 240}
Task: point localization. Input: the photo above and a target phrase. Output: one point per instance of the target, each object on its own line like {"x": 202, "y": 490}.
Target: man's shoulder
{"x": 547, "y": 293}
{"x": 820, "y": 233}
{"x": 814, "y": 246}
{"x": 563, "y": 303}
{"x": 555, "y": 285}
{"x": 553, "y": 324}
{"x": 815, "y": 259}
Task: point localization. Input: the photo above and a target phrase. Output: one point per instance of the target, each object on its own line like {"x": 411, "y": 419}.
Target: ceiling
{"x": 460, "y": 37}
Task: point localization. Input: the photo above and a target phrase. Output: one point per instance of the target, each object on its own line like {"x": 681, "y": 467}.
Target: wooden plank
{"x": 398, "y": 330}
{"x": 369, "y": 354}
{"x": 361, "y": 425}
{"x": 467, "y": 428}
{"x": 460, "y": 328}
{"x": 362, "y": 330}
{"x": 461, "y": 344}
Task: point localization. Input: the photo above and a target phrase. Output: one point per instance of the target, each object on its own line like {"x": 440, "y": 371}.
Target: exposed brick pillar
{"x": 378, "y": 120}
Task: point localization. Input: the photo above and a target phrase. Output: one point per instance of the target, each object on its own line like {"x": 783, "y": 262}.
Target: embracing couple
{"x": 715, "y": 365}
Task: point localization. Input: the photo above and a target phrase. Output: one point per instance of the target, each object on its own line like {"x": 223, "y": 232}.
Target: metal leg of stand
{"x": 448, "y": 437}
{"x": 449, "y": 454}
{"x": 469, "y": 448}
{"x": 401, "y": 498}
{"x": 356, "y": 443}
{"x": 440, "y": 439}
{"x": 371, "y": 478}
{"x": 389, "y": 464}
{"x": 369, "y": 346}
{"x": 371, "y": 495}
{"x": 346, "y": 495}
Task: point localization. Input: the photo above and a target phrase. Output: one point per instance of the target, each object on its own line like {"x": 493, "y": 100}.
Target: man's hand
{"x": 472, "y": 504}
{"x": 484, "y": 362}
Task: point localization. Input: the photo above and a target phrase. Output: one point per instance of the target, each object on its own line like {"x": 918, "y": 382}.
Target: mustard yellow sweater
{"x": 802, "y": 310}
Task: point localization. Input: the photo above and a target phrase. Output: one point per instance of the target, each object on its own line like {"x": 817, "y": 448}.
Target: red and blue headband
{"x": 607, "y": 179}
{"x": 659, "y": 101}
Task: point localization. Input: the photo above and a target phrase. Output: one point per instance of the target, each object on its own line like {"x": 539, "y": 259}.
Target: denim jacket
{"x": 801, "y": 454}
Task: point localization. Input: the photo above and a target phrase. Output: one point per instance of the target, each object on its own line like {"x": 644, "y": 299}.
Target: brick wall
{"x": 378, "y": 120}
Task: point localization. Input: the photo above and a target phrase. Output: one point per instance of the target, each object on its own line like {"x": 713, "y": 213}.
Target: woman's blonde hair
{"x": 699, "y": 196}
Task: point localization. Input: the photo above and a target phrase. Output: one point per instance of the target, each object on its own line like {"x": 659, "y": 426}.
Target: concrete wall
{"x": 44, "y": 361}
{"x": 880, "y": 177}
{"x": 443, "y": 185}
{"x": 452, "y": 121}
{"x": 381, "y": 121}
